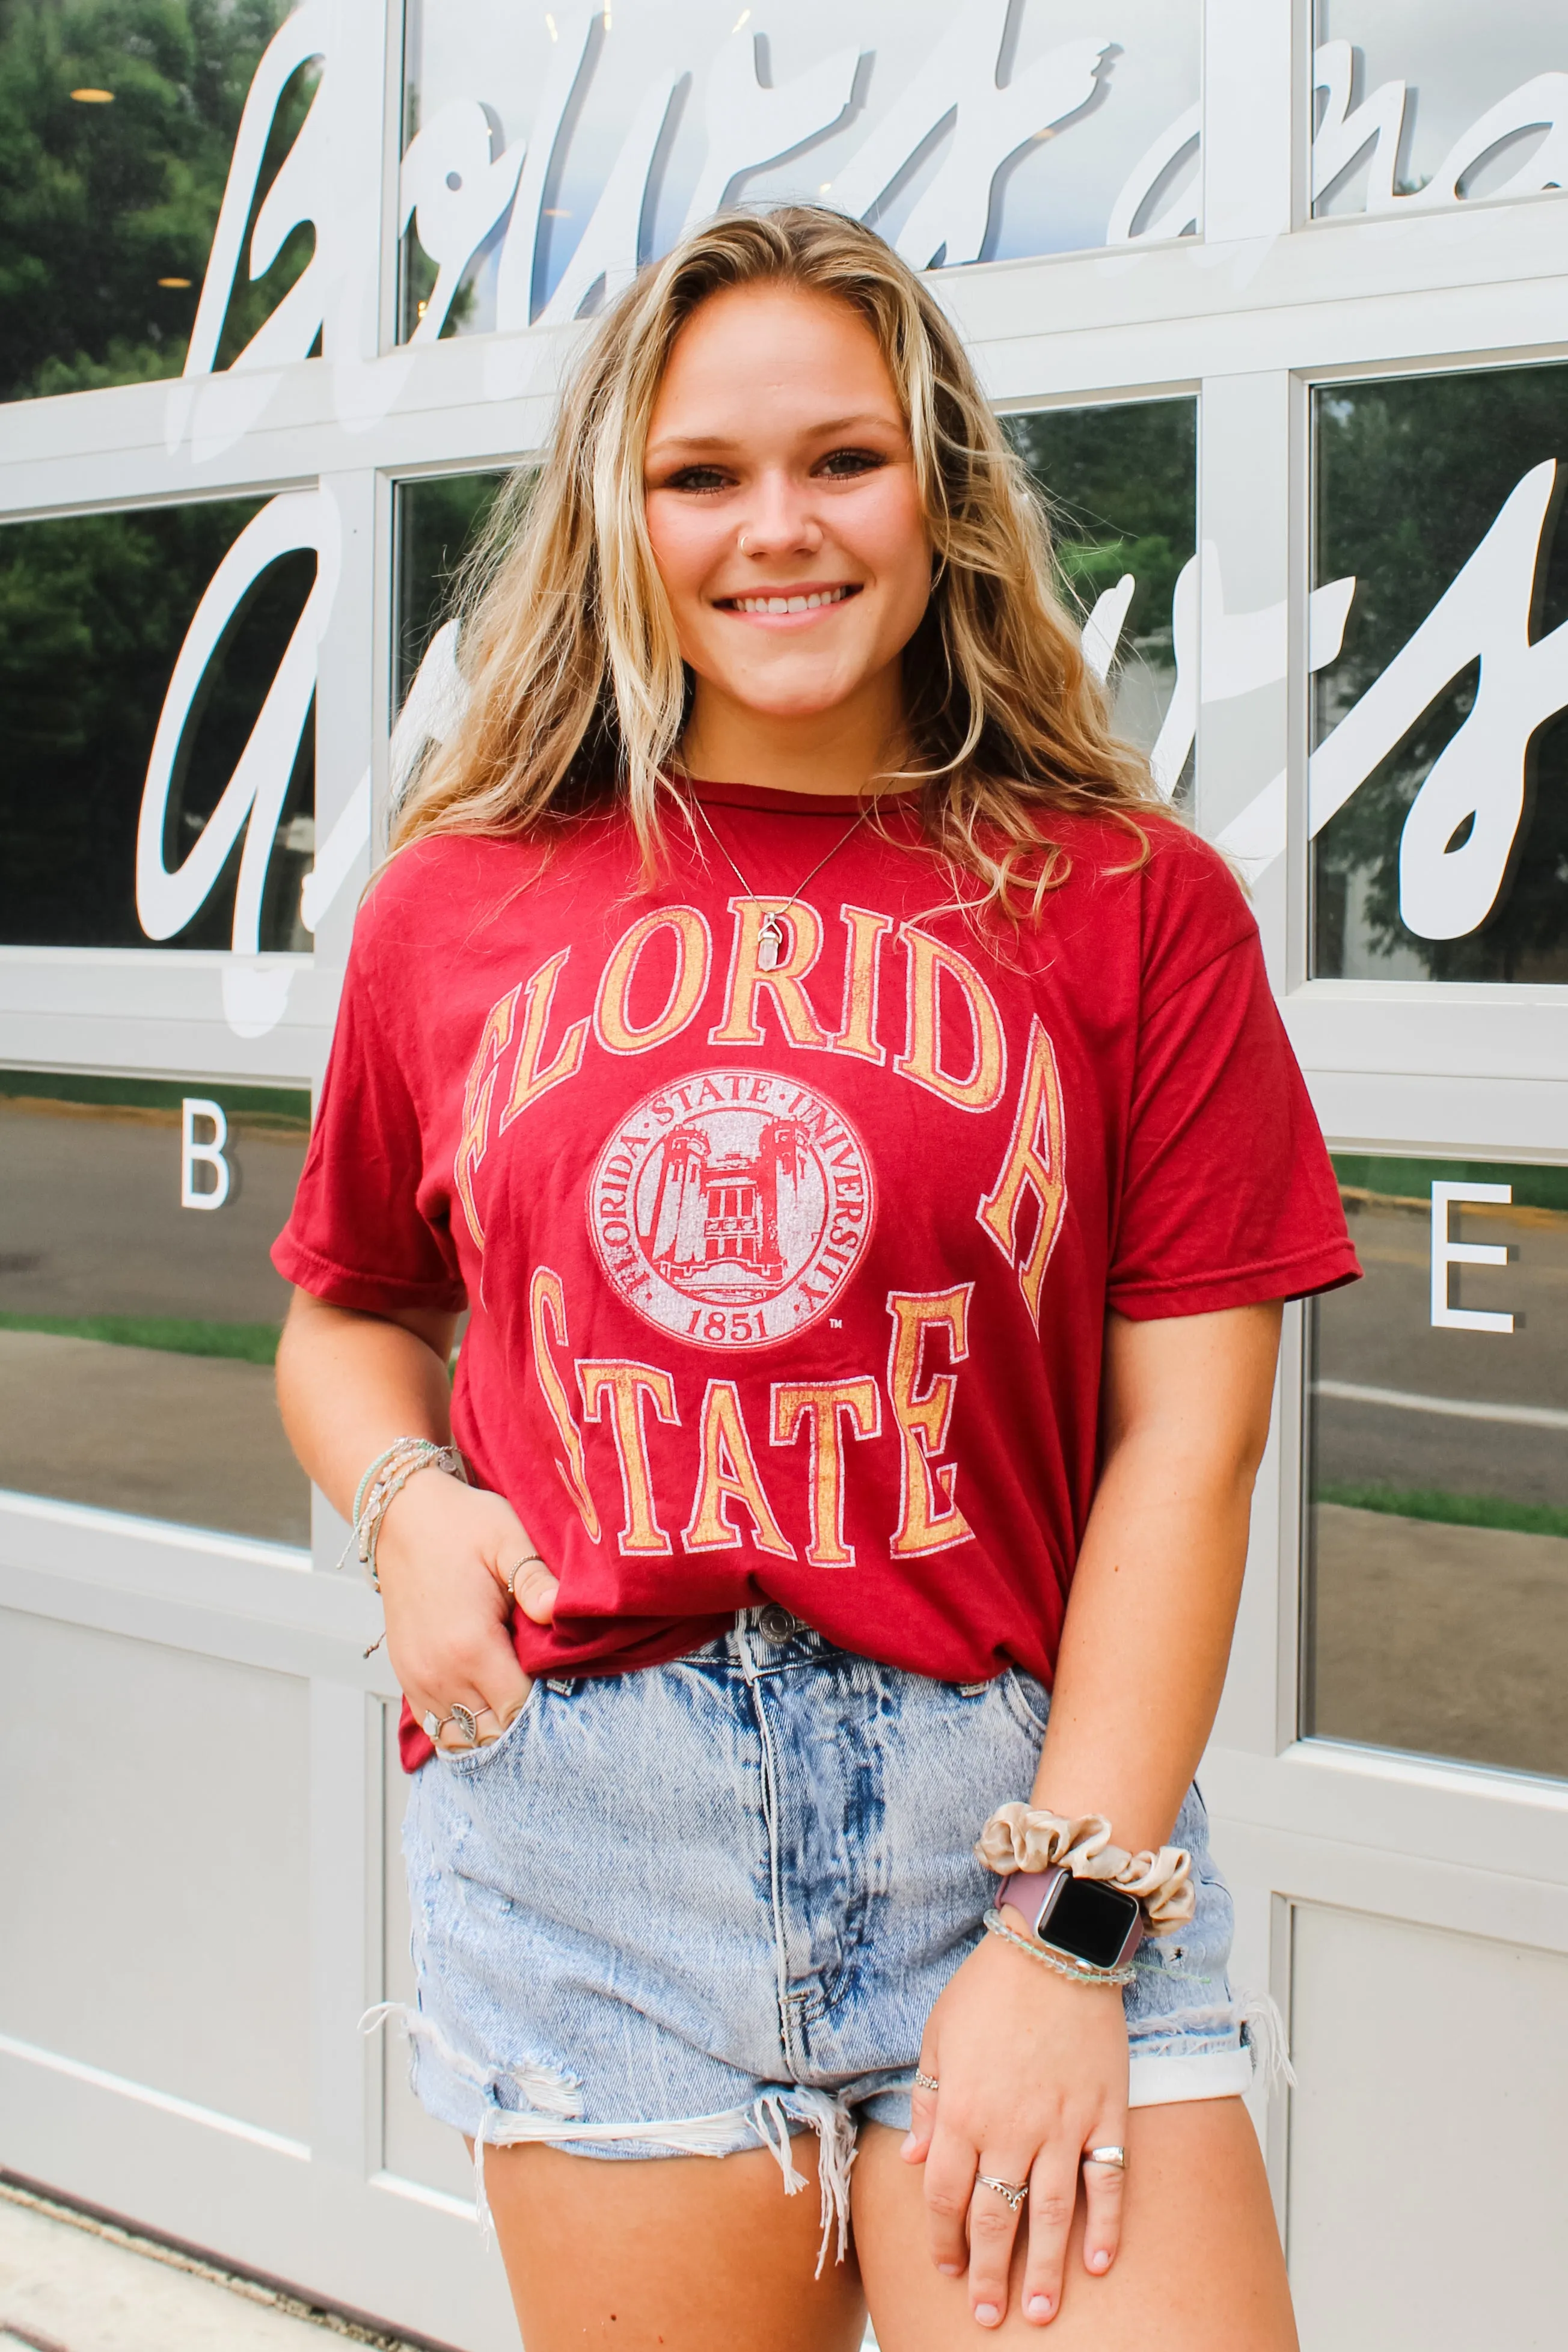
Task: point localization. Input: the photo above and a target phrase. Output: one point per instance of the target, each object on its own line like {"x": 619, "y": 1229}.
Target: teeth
{"x": 810, "y": 604}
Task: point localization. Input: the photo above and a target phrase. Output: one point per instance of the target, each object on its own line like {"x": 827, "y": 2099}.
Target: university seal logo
{"x": 732, "y": 1208}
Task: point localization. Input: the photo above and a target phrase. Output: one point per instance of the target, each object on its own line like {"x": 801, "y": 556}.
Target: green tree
{"x": 101, "y": 202}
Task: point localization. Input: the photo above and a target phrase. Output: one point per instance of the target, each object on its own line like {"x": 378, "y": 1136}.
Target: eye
{"x": 697, "y": 479}
{"x": 842, "y": 465}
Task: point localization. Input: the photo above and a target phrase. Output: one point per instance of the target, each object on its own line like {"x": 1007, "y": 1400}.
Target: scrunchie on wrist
{"x": 1021, "y": 1837}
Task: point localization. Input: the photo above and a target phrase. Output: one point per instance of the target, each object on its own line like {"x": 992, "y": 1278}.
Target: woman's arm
{"x": 1034, "y": 2069}
{"x": 348, "y": 1384}
{"x": 1185, "y": 1416}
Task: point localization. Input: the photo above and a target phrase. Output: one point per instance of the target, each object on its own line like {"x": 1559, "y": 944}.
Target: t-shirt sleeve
{"x": 1228, "y": 1196}
{"x": 368, "y": 1228}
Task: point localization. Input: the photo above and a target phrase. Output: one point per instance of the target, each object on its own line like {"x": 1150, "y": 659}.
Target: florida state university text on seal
{"x": 732, "y": 1208}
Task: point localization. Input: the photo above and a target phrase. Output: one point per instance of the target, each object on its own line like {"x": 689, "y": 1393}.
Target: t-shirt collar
{"x": 771, "y": 802}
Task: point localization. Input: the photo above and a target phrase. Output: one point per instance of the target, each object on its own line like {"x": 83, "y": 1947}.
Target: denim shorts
{"x": 697, "y": 1907}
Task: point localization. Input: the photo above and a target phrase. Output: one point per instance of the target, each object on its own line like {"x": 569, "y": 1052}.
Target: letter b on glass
{"x": 204, "y": 1152}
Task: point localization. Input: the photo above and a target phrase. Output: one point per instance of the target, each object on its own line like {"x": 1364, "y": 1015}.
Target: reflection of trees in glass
{"x": 93, "y": 610}
{"x": 98, "y": 203}
{"x": 1121, "y": 485}
{"x": 438, "y": 522}
{"x": 1410, "y": 478}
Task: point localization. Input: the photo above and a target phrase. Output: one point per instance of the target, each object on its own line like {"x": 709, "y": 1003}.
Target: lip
{"x": 841, "y": 593}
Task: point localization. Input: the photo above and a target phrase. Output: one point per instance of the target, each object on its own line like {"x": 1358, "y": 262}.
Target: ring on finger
{"x": 466, "y": 1721}
{"x": 529, "y": 1560}
{"x": 1014, "y": 2191}
{"x": 1111, "y": 2155}
{"x": 924, "y": 2082}
{"x": 433, "y": 1725}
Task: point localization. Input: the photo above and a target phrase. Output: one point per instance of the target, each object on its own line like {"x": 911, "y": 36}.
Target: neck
{"x": 847, "y": 750}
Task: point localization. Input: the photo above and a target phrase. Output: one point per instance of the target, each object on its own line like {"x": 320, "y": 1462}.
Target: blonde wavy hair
{"x": 576, "y": 694}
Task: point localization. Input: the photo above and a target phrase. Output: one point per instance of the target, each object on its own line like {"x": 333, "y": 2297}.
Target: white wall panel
{"x": 1425, "y": 2162}
{"x": 155, "y": 1846}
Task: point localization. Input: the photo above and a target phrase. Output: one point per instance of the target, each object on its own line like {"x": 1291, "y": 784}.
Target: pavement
{"x": 75, "y": 2285}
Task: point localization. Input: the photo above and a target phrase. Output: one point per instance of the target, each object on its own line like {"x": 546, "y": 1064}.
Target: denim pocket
{"x": 1028, "y": 1701}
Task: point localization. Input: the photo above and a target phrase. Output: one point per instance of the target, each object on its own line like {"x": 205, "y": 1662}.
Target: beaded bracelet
{"x": 1024, "y": 1837}
{"x": 1081, "y": 1971}
{"x": 384, "y": 1481}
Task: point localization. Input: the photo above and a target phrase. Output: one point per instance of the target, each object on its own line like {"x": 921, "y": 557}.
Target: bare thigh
{"x": 1200, "y": 2268}
{"x": 694, "y": 2252}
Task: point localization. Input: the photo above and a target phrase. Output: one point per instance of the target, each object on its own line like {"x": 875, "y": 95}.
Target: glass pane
{"x": 1439, "y": 772}
{"x": 1439, "y": 1467}
{"x": 125, "y": 112}
{"x": 636, "y": 119}
{"x": 137, "y": 1330}
{"x": 1121, "y": 485}
{"x": 437, "y": 523}
{"x": 1430, "y": 101}
{"x": 93, "y": 611}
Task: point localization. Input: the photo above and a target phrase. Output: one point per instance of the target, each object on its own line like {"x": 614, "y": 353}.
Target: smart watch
{"x": 1082, "y": 1918}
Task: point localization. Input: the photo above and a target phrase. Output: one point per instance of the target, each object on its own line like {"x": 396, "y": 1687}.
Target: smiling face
{"x": 786, "y": 525}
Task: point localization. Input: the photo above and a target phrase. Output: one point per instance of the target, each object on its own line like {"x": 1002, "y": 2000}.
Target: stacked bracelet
{"x": 384, "y": 1480}
{"x": 1021, "y": 1837}
{"x": 1081, "y": 1971}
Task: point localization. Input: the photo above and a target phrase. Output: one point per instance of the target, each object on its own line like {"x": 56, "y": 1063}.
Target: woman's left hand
{"x": 1033, "y": 2072}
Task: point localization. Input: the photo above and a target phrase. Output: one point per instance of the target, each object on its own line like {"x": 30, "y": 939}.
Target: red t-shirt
{"x": 790, "y": 1283}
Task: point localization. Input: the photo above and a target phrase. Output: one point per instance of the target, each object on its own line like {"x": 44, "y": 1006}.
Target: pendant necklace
{"x": 771, "y": 933}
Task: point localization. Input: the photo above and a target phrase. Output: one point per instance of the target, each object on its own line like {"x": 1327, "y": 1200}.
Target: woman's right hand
{"x": 443, "y": 1555}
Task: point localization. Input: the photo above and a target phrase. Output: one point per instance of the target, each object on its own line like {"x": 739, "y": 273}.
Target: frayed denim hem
{"x": 552, "y": 2119}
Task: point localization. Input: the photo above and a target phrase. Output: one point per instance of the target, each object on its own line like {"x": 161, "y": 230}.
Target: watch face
{"x": 1089, "y": 1921}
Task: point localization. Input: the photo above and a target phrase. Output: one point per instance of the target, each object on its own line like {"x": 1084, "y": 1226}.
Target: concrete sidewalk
{"x": 80, "y": 2285}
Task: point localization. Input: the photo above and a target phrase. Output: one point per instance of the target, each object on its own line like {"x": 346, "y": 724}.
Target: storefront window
{"x": 1438, "y": 1521}
{"x": 139, "y": 1311}
{"x": 547, "y": 153}
{"x": 438, "y": 522}
{"x": 1421, "y": 102}
{"x": 1121, "y": 485}
{"x": 94, "y": 610}
{"x": 1439, "y": 768}
{"x": 118, "y": 120}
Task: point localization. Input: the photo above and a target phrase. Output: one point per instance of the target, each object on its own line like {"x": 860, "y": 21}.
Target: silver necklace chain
{"x": 770, "y": 936}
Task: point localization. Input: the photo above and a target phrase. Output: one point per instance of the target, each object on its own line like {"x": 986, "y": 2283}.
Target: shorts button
{"x": 775, "y": 1623}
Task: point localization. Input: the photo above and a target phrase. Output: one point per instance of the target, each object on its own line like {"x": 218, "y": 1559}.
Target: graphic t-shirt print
{"x": 732, "y": 1208}
{"x": 735, "y": 1210}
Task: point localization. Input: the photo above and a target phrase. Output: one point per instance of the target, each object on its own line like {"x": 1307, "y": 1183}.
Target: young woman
{"x": 854, "y": 1114}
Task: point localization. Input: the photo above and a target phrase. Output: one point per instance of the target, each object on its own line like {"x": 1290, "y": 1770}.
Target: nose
{"x": 779, "y": 521}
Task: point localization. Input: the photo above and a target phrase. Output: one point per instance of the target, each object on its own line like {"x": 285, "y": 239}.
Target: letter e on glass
{"x": 1446, "y": 1253}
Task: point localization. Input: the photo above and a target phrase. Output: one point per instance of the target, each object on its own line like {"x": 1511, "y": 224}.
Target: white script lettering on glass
{"x": 456, "y": 184}
{"x": 1458, "y": 836}
{"x": 1349, "y": 128}
{"x": 208, "y": 1154}
{"x": 1446, "y": 1253}
{"x": 252, "y": 799}
{"x": 460, "y": 183}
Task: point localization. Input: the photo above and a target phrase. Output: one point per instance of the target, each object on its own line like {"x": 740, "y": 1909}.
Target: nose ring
{"x": 743, "y": 543}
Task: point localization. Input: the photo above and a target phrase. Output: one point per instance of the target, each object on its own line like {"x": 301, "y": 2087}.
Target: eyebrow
{"x": 724, "y": 441}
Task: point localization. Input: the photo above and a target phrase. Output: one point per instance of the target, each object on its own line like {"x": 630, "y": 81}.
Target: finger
{"x": 948, "y": 2185}
{"x": 533, "y": 1589}
{"x": 461, "y": 1731}
{"x": 504, "y": 1687}
{"x": 1053, "y": 2194}
{"x": 922, "y": 2111}
{"x": 1104, "y": 2193}
{"x": 993, "y": 2225}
